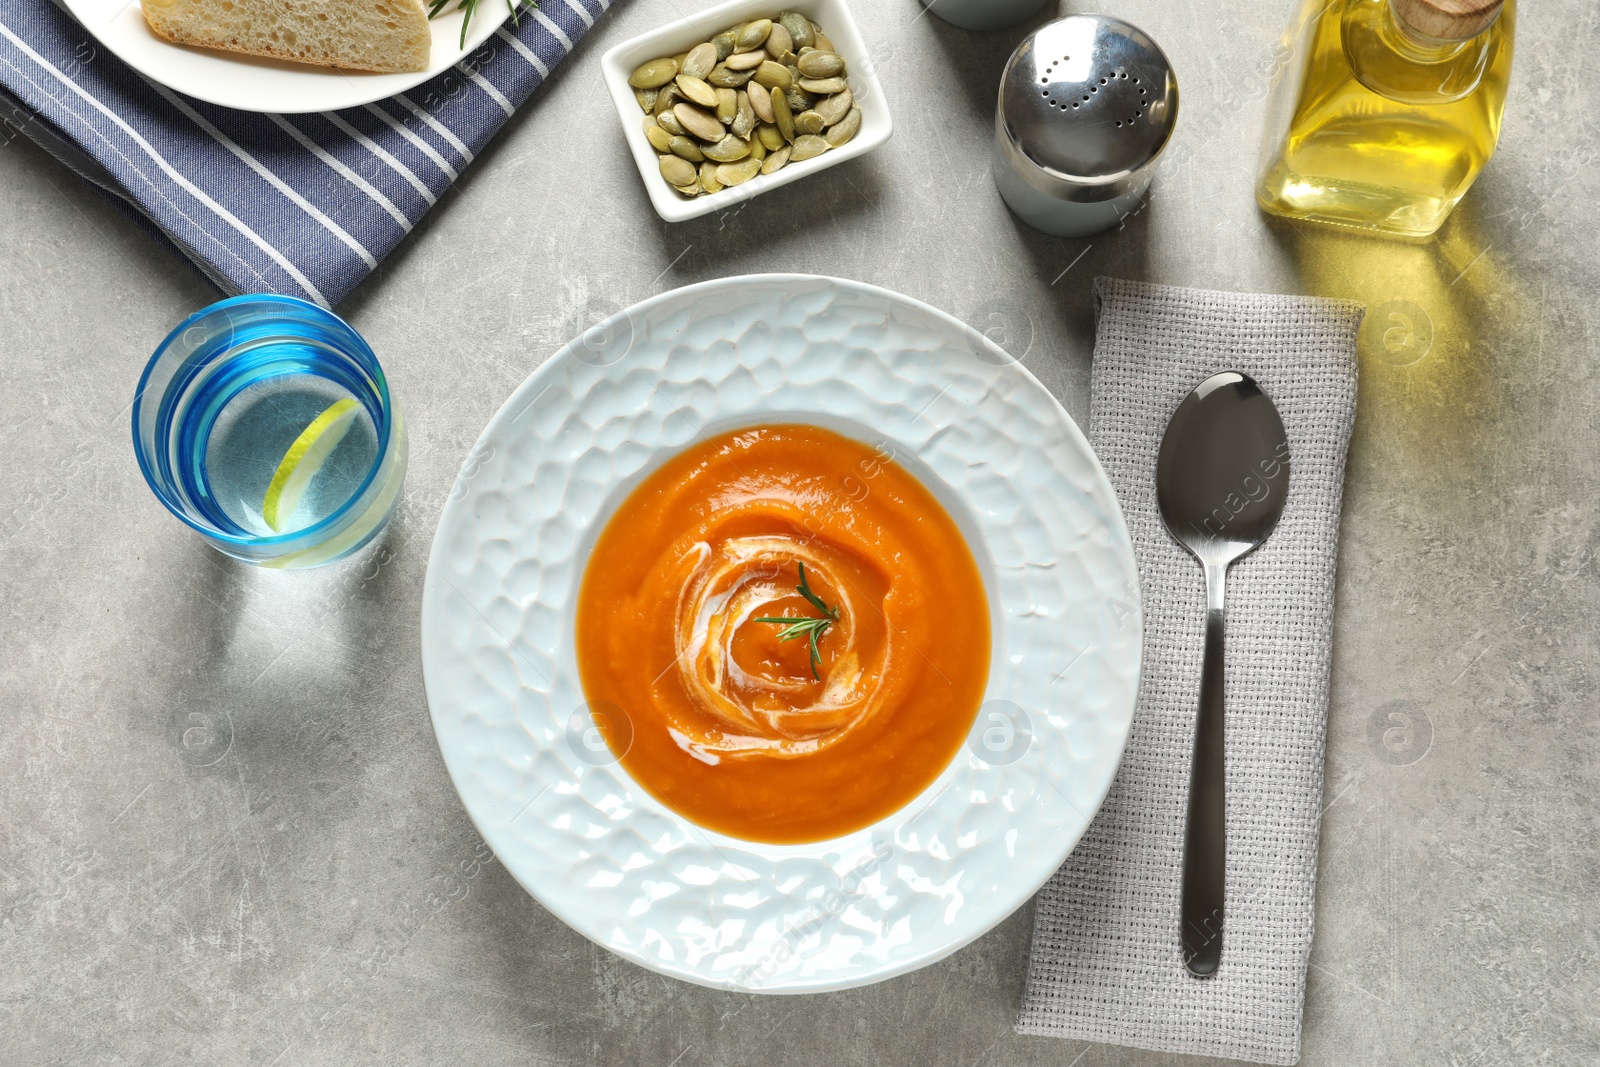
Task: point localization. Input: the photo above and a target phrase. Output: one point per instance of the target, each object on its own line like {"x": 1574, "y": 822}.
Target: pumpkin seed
{"x": 725, "y": 77}
{"x": 700, "y": 60}
{"x": 654, "y": 74}
{"x": 738, "y": 173}
{"x": 806, "y": 146}
{"x": 783, "y": 115}
{"x": 685, "y": 148}
{"x": 753, "y": 34}
{"x": 761, "y": 100}
{"x": 818, "y": 64}
{"x": 799, "y": 27}
{"x": 745, "y": 121}
{"x": 669, "y": 122}
{"x": 697, "y": 90}
{"x": 753, "y": 99}
{"x": 779, "y": 42}
{"x": 824, "y": 86}
{"x": 728, "y": 149}
{"x": 774, "y": 75}
{"x": 774, "y": 161}
{"x": 708, "y": 177}
{"x": 835, "y": 107}
{"x": 678, "y": 171}
{"x": 702, "y": 124}
{"x": 848, "y": 127}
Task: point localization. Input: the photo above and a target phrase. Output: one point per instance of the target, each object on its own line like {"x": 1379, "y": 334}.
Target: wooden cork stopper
{"x": 1450, "y": 20}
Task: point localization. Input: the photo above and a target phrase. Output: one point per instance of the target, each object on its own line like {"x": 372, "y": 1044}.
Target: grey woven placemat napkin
{"x": 1106, "y": 964}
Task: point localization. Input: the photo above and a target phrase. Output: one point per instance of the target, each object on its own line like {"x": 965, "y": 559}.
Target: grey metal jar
{"x": 984, "y": 14}
{"x": 1087, "y": 103}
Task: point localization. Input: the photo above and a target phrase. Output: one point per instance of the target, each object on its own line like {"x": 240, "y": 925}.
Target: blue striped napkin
{"x": 305, "y": 204}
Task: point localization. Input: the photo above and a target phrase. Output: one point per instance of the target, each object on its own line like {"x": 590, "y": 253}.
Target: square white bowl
{"x": 834, "y": 18}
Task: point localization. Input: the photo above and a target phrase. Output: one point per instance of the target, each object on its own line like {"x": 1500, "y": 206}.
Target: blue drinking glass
{"x": 266, "y": 424}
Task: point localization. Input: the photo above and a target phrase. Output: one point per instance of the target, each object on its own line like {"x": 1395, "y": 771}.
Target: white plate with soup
{"x": 254, "y": 83}
{"x": 744, "y": 775}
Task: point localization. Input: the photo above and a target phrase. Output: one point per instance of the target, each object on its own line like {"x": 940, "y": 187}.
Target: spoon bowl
{"x": 1222, "y": 477}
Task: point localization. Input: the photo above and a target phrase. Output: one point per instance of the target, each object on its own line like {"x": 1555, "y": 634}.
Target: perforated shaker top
{"x": 1089, "y": 100}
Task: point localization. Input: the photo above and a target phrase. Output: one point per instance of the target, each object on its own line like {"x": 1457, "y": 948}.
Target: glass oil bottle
{"x": 1388, "y": 111}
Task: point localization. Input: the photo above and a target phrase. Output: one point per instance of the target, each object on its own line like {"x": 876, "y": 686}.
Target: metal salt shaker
{"x": 1086, "y": 105}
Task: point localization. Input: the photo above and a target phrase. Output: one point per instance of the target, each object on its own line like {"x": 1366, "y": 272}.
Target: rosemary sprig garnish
{"x": 809, "y": 627}
{"x": 470, "y": 8}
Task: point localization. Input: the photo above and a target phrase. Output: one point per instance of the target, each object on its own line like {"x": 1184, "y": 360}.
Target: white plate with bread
{"x": 287, "y": 56}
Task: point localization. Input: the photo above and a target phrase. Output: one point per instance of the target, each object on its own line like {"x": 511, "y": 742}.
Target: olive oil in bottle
{"x": 1390, "y": 110}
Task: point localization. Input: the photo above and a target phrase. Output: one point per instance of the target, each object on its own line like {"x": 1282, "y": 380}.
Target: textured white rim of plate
{"x": 789, "y": 918}
{"x": 269, "y": 86}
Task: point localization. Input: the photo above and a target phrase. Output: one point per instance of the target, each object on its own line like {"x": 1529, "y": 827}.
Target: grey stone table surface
{"x": 227, "y": 837}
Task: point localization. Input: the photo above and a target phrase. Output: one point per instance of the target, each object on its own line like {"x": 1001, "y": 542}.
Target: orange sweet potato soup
{"x": 793, "y": 630}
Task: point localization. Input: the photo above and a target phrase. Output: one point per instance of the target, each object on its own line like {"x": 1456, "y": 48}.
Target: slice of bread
{"x": 388, "y": 36}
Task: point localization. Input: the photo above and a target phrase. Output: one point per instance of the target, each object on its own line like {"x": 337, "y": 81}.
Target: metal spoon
{"x": 1221, "y": 481}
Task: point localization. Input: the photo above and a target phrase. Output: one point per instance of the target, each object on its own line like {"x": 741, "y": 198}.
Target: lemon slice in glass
{"x": 304, "y": 459}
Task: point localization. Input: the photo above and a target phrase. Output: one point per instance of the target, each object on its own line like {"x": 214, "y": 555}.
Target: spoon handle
{"x": 1205, "y": 838}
